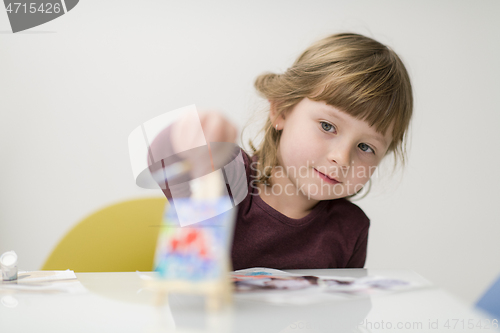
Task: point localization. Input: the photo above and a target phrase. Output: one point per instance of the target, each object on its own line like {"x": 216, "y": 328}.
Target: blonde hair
{"x": 351, "y": 72}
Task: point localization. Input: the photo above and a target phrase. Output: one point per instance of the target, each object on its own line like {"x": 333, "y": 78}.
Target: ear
{"x": 273, "y": 112}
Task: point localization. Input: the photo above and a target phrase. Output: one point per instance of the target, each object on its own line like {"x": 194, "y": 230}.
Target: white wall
{"x": 73, "y": 89}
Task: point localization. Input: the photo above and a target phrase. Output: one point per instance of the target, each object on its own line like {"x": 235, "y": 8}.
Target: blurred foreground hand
{"x": 216, "y": 128}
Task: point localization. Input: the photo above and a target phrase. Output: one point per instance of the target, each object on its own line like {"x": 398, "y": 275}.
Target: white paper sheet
{"x": 44, "y": 281}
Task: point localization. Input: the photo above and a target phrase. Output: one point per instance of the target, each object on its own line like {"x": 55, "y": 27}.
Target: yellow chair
{"x": 118, "y": 238}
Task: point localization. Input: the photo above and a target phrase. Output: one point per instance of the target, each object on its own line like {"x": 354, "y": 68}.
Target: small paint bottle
{"x": 8, "y": 264}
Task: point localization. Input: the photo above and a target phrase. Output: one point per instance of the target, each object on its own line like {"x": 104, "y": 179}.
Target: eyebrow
{"x": 380, "y": 139}
{"x": 339, "y": 114}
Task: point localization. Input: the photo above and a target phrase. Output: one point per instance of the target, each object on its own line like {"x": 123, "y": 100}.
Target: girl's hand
{"x": 186, "y": 135}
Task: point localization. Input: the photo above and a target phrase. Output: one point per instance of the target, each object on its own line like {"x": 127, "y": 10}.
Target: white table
{"x": 116, "y": 302}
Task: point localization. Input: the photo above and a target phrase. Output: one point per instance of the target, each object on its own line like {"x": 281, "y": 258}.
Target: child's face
{"x": 317, "y": 140}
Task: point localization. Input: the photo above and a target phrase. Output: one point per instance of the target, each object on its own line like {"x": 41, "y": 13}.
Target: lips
{"x": 328, "y": 179}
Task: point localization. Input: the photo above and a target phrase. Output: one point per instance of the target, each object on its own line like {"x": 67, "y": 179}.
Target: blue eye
{"x": 327, "y": 127}
{"x": 364, "y": 147}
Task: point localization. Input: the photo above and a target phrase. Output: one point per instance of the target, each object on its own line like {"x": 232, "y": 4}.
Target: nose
{"x": 340, "y": 154}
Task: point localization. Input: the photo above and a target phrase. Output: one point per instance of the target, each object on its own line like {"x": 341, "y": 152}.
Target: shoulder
{"x": 247, "y": 158}
{"x": 250, "y": 164}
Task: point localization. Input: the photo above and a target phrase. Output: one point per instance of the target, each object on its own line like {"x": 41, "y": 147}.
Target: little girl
{"x": 343, "y": 106}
